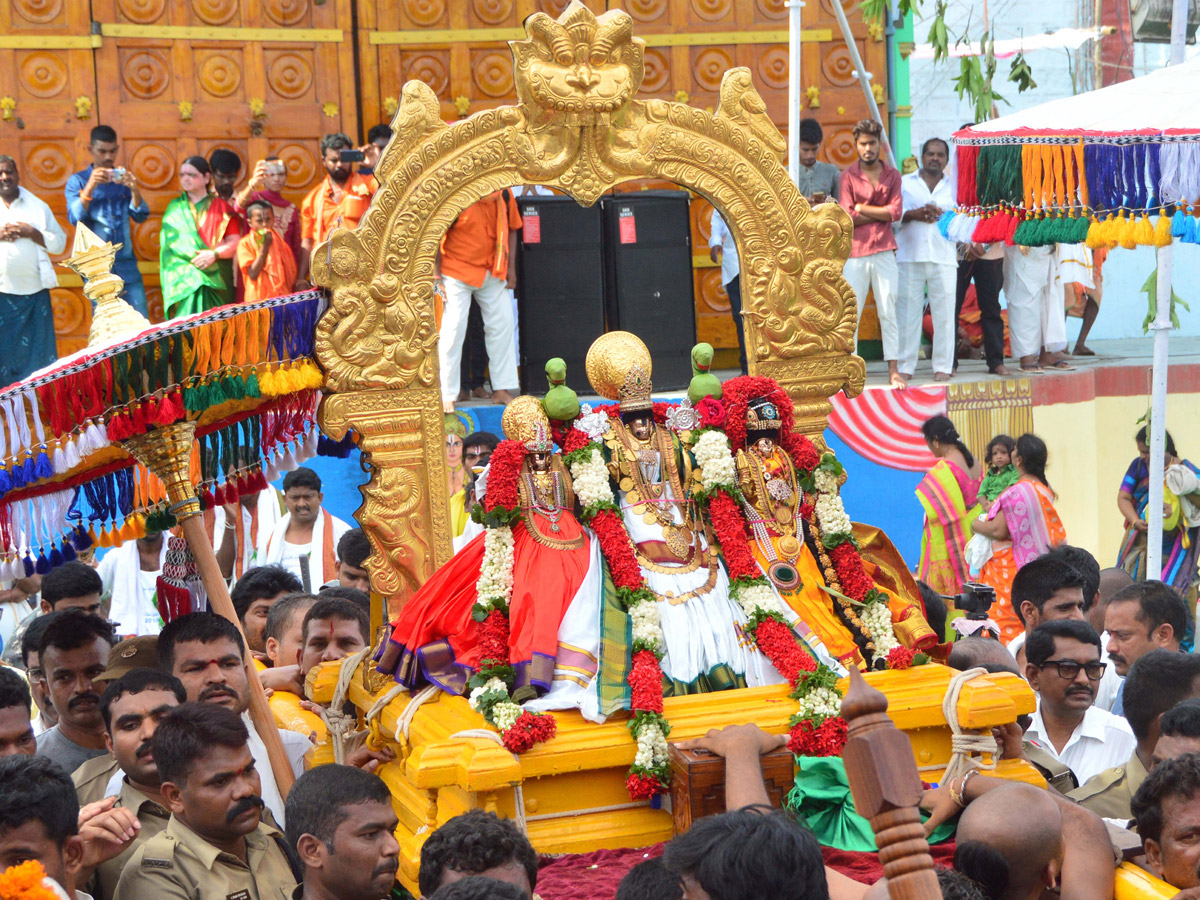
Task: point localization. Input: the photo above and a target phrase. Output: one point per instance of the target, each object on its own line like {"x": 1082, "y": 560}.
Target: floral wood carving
{"x": 579, "y": 127}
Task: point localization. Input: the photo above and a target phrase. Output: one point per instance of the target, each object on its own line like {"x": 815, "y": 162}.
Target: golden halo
{"x": 610, "y": 359}
{"x": 522, "y": 417}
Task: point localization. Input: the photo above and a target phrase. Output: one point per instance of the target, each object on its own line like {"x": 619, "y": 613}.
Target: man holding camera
{"x": 340, "y": 200}
{"x": 104, "y": 197}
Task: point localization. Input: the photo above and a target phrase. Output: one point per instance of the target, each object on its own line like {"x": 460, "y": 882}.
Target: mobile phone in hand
{"x": 352, "y": 156}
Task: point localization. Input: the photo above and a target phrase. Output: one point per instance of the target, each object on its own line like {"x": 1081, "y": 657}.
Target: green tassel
{"x": 1024, "y": 235}
{"x": 235, "y": 387}
{"x": 999, "y": 175}
{"x": 252, "y": 389}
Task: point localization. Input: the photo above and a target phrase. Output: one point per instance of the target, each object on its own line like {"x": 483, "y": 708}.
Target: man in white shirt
{"x": 207, "y": 653}
{"x": 1063, "y": 667}
{"x": 28, "y": 235}
{"x": 722, "y": 248}
{"x": 130, "y": 577}
{"x": 305, "y": 540}
{"x": 927, "y": 262}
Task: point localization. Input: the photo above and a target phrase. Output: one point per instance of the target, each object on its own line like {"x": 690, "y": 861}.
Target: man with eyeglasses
{"x": 1062, "y": 665}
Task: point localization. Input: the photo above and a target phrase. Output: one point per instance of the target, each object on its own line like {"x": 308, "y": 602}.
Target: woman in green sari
{"x": 199, "y": 236}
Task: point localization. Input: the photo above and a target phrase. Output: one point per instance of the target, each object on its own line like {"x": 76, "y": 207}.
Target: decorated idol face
{"x": 764, "y": 446}
{"x": 539, "y": 460}
{"x": 642, "y": 427}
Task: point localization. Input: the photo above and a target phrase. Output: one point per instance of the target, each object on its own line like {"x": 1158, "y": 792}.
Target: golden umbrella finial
{"x": 92, "y": 260}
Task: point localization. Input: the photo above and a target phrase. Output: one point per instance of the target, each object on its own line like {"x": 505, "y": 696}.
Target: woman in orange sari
{"x": 1022, "y": 524}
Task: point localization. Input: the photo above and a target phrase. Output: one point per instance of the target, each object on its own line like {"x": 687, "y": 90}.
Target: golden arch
{"x": 578, "y": 127}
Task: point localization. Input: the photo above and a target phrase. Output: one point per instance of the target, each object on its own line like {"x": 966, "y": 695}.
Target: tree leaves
{"x": 1021, "y": 74}
{"x": 939, "y": 37}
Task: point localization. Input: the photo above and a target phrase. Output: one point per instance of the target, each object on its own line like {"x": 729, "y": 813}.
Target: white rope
{"x": 518, "y": 791}
{"x": 419, "y": 699}
{"x": 965, "y": 748}
{"x": 336, "y": 720}
{"x": 378, "y": 706}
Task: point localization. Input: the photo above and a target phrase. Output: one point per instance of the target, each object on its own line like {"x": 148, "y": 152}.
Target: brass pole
{"x": 167, "y": 451}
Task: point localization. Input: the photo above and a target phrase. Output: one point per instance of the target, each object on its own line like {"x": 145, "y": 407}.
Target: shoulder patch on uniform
{"x": 149, "y": 862}
{"x": 1098, "y": 783}
{"x": 238, "y": 895}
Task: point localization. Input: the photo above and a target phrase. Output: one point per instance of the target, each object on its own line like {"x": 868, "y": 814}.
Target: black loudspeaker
{"x": 648, "y": 278}
{"x": 560, "y": 287}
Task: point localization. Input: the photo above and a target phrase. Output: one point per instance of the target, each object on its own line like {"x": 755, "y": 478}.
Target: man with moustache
{"x": 73, "y": 651}
{"x": 1167, "y": 810}
{"x": 207, "y": 654}
{"x": 303, "y": 541}
{"x": 1141, "y": 618}
{"x": 215, "y": 845}
{"x": 341, "y": 826}
{"x": 340, "y": 200}
{"x": 1062, "y": 665}
{"x": 132, "y": 707}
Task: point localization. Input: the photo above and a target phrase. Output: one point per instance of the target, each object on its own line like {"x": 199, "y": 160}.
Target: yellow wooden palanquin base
{"x": 574, "y": 785}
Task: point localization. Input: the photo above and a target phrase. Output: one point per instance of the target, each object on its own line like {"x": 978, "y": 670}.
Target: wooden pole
{"x": 887, "y": 790}
{"x": 167, "y": 453}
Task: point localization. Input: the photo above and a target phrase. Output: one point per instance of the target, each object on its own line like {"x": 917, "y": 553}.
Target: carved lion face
{"x": 580, "y": 63}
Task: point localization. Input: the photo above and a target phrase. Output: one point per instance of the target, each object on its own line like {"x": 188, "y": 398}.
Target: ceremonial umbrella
{"x": 1115, "y": 167}
{"x": 148, "y": 426}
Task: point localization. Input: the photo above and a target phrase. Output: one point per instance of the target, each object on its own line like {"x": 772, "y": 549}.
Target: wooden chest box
{"x": 698, "y": 782}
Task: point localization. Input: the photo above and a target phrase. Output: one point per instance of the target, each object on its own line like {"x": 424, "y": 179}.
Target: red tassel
{"x": 118, "y": 427}
{"x": 150, "y": 412}
{"x": 1010, "y": 228}
{"x": 983, "y": 230}
{"x": 219, "y": 496}
{"x": 210, "y": 502}
{"x": 137, "y": 419}
{"x": 177, "y": 411}
{"x": 231, "y": 492}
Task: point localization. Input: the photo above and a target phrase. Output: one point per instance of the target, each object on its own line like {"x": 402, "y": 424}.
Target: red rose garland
{"x": 504, "y": 475}
{"x": 825, "y": 739}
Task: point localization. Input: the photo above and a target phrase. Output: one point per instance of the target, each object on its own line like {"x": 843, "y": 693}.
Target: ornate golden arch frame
{"x": 579, "y": 128}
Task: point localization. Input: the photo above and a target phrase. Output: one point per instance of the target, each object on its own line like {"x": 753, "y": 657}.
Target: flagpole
{"x": 795, "y": 7}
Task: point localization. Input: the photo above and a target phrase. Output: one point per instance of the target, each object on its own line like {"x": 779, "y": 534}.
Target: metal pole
{"x": 863, "y": 81}
{"x": 1161, "y": 328}
{"x": 795, "y": 91}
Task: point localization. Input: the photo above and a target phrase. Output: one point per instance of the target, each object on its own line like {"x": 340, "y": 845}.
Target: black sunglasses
{"x": 1069, "y": 669}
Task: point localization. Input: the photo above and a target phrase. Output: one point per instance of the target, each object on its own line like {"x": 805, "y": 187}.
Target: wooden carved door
{"x": 47, "y": 107}
{"x": 258, "y": 77}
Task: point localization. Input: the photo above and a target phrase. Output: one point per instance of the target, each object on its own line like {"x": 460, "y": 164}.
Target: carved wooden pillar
{"x": 887, "y": 790}
{"x": 405, "y": 513}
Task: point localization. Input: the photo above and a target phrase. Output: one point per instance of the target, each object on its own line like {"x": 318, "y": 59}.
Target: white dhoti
{"x": 1029, "y": 288}
{"x": 878, "y": 272}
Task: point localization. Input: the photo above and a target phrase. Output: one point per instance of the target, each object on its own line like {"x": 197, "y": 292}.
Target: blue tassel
{"x": 30, "y": 467}
{"x": 1178, "y": 226}
{"x": 81, "y": 539}
{"x": 5, "y": 482}
{"x": 1189, "y": 228}
{"x": 68, "y": 552}
{"x": 44, "y": 467}
{"x": 42, "y": 566}
{"x": 326, "y": 447}
{"x": 56, "y": 558}
{"x": 28, "y": 565}
{"x": 18, "y": 476}
{"x": 944, "y": 221}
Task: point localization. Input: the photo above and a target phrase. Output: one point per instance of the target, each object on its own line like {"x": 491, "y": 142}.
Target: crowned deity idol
{"x": 651, "y": 471}
{"x": 783, "y": 540}
{"x": 552, "y": 564}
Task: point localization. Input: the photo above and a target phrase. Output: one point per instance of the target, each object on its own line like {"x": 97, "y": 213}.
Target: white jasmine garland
{"x": 590, "y": 480}
{"x": 495, "y": 582}
{"x": 505, "y": 714}
{"x": 647, "y": 626}
{"x": 831, "y": 514}
{"x": 488, "y": 694}
{"x": 651, "y": 747}
{"x": 758, "y": 598}
{"x": 820, "y": 702}
{"x": 877, "y": 619}
{"x": 715, "y": 459}
{"x": 824, "y": 481}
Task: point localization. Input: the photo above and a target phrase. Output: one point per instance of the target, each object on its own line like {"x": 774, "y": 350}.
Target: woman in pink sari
{"x": 1022, "y": 524}
{"x": 948, "y": 496}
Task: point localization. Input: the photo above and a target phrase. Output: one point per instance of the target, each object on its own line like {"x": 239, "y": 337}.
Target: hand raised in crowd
{"x": 258, "y": 176}
{"x": 267, "y": 237}
{"x": 106, "y": 829}
{"x": 98, "y": 176}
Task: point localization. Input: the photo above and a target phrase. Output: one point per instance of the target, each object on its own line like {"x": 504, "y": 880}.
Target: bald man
{"x": 1036, "y": 843}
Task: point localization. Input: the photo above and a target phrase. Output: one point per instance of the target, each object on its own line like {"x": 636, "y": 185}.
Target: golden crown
{"x": 634, "y": 392}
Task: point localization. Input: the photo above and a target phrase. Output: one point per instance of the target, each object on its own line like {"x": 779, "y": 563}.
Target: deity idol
{"x": 785, "y": 533}
{"x": 652, "y": 473}
{"x": 534, "y": 563}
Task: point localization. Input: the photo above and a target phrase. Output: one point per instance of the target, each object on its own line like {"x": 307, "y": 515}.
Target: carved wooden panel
{"x": 475, "y": 73}
{"x": 45, "y": 129}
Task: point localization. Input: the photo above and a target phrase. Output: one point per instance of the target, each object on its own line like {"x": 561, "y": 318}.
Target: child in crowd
{"x": 266, "y": 261}
{"x": 1001, "y": 472}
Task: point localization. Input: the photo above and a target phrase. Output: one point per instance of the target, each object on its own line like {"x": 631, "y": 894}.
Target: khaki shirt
{"x": 1109, "y": 794}
{"x": 178, "y": 864}
{"x": 154, "y": 821}
{"x": 1056, "y": 773}
{"x": 91, "y": 779}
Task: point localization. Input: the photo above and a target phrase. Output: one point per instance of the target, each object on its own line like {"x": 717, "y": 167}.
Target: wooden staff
{"x": 166, "y": 451}
{"x": 887, "y": 790}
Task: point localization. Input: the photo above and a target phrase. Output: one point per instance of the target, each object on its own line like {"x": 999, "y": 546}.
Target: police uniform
{"x": 92, "y": 779}
{"x": 153, "y": 818}
{"x": 1057, "y": 774}
{"x": 178, "y": 864}
{"x": 1109, "y": 794}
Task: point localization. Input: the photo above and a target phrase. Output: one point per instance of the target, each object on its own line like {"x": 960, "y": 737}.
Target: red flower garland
{"x": 529, "y": 729}
{"x": 712, "y": 412}
{"x": 493, "y": 640}
{"x": 856, "y": 583}
{"x": 826, "y": 739}
{"x": 618, "y": 552}
{"x": 779, "y": 645}
{"x": 643, "y": 787}
{"x": 901, "y": 658}
{"x": 645, "y": 681}
{"x": 730, "y": 530}
{"x": 504, "y": 475}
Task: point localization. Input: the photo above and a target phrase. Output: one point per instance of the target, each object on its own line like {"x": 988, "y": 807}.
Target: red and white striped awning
{"x": 884, "y": 425}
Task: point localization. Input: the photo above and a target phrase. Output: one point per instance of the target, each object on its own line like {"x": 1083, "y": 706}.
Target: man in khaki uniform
{"x": 215, "y": 846}
{"x": 1155, "y": 683}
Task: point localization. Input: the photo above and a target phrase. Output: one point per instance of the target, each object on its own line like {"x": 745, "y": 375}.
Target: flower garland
{"x": 28, "y": 881}
{"x": 491, "y": 685}
{"x": 650, "y": 773}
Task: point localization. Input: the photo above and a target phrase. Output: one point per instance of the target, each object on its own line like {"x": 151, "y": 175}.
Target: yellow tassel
{"x": 94, "y": 537}
{"x": 127, "y": 530}
{"x": 313, "y": 377}
{"x": 266, "y": 383}
{"x": 1095, "y": 235}
{"x": 103, "y": 539}
{"x": 1144, "y": 232}
{"x": 1123, "y": 232}
{"x": 139, "y": 526}
{"x": 1162, "y": 230}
